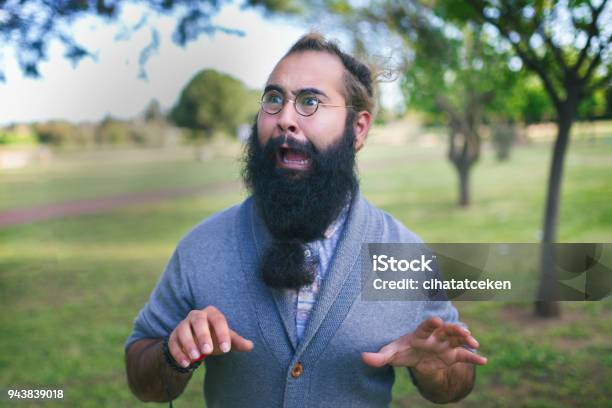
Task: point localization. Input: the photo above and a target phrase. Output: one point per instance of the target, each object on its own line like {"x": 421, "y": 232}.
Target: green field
{"x": 70, "y": 288}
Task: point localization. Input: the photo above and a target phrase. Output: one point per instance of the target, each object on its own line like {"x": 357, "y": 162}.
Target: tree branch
{"x": 539, "y": 27}
{"x": 601, "y": 82}
{"x": 528, "y": 56}
{"x": 593, "y": 31}
{"x": 458, "y": 122}
{"x": 555, "y": 50}
{"x": 596, "y": 60}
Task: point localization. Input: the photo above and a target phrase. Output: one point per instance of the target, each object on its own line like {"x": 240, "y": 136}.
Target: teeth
{"x": 302, "y": 162}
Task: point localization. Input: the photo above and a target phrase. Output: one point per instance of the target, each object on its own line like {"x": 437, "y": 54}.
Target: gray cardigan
{"x": 215, "y": 264}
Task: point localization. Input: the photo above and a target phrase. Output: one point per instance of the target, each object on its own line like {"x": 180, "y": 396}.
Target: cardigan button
{"x": 297, "y": 370}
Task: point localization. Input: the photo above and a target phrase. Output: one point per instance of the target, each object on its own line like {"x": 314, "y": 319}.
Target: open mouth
{"x": 289, "y": 158}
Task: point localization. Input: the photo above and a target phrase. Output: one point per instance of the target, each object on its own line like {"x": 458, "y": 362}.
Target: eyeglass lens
{"x": 306, "y": 103}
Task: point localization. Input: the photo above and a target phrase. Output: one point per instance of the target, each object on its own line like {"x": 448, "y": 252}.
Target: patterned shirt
{"x": 324, "y": 250}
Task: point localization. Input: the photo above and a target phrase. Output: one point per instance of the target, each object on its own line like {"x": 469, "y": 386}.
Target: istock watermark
{"x": 382, "y": 263}
{"x": 490, "y": 271}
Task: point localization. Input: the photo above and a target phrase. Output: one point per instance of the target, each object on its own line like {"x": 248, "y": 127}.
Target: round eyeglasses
{"x": 305, "y": 103}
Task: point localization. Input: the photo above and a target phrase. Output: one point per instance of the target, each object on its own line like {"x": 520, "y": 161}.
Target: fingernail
{"x": 207, "y": 349}
{"x": 225, "y": 347}
{"x": 194, "y": 354}
{"x": 185, "y": 363}
{"x": 475, "y": 341}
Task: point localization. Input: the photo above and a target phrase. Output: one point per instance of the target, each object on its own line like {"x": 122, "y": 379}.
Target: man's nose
{"x": 288, "y": 118}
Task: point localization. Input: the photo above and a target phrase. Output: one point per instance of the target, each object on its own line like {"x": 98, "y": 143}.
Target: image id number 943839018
{"x": 34, "y": 394}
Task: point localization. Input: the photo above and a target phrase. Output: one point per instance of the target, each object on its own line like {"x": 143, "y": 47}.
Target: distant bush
{"x": 142, "y": 133}
{"x": 12, "y": 138}
{"x": 62, "y": 133}
{"x": 111, "y": 131}
{"x": 108, "y": 132}
{"x": 503, "y": 136}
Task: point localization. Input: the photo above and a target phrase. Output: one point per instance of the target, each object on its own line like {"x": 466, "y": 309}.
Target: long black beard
{"x": 297, "y": 207}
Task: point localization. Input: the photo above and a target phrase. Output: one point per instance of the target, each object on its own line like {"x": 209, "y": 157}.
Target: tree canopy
{"x": 568, "y": 44}
{"x": 30, "y": 26}
{"x": 213, "y": 102}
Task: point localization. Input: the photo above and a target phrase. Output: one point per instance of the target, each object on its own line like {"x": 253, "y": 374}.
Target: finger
{"x": 383, "y": 356}
{"x": 452, "y": 329}
{"x": 466, "y": 356}
{"x": 459, "y": 336}
{"x": 186, "y": 341}
{"x": 437, "y": 343}
{"x": 471, "y": 342}
{"x": 374, "y": 359}
{"x": 202, "y": 334}
{"x": 463, "y": 340}
{"x": 427, "y": 327}
{"x": 221, "y": 330}
{"x": 440, "y": 334}
{"x": 239, "y": 343}
{"x": 176, "y": 351}
{"x": 441, "y": 344}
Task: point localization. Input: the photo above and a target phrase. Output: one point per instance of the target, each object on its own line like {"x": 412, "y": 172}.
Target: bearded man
{"x": 268, "y": 290}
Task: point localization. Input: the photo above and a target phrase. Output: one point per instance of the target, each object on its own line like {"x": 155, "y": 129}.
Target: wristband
{"x": 176, "y": 366}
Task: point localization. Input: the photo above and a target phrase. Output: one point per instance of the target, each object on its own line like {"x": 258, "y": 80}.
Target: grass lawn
{"x": 69, "y": 288}
{"x": 84, "y": 175}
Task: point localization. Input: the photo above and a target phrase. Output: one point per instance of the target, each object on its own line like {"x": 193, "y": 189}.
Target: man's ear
{"x": 361, "y": 126}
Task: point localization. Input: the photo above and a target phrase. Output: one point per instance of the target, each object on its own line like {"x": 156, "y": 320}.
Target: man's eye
{"x": 309, "y": 101}
{"x": 276, "y": 99}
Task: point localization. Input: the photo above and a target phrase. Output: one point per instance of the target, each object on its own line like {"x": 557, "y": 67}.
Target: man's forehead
{"x": 309, "y": 69}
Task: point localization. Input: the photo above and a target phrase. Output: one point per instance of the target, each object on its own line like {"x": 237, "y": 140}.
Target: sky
{"x": 109, "y": 84}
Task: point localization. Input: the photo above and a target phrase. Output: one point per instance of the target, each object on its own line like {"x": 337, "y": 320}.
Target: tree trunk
{"x": 463, "y": 155}
{"x": 464, "y": 184}
{"x": 546, "y": 305}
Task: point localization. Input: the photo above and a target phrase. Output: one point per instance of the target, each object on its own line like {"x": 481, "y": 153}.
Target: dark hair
{"x": 358, "y": 86}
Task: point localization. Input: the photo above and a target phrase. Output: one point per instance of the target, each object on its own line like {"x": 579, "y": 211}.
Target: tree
{"x": 567, "y": 45}
{"x": 213, "y": 102}
{"x": 29, "y": 26}
{"x": 460, "y": 75}
{"x": 153, "y": 112}
{"x": 449, "y": 67}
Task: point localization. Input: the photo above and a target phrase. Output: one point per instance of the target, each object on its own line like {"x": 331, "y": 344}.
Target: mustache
{"x": 306, "y": 148}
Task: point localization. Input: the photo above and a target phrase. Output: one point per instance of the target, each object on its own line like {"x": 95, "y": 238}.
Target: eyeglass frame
{"x": 304, "y": 91}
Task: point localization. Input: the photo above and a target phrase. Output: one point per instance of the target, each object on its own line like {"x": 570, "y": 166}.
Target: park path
{"x": 104, "y": 204}
{"x": 98, "y": 205}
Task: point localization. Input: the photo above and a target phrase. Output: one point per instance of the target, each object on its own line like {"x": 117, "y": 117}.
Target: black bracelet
{"x": 172, "y": 363}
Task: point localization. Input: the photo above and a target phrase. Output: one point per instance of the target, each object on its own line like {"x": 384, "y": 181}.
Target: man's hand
{"x": 204, "y": 332}
{"x": 432, "y": 346}
{"x": 435, "y": 354}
